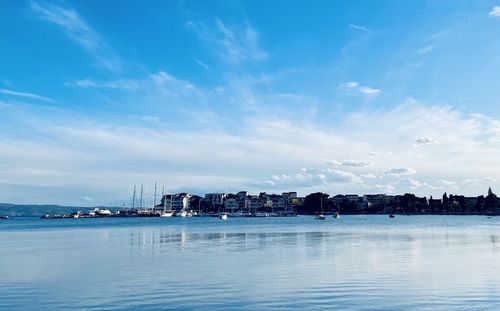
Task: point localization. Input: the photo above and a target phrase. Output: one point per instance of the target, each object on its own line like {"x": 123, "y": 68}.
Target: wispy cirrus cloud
{"x": 359, "y": 89}
{"x": 79, "y": 31}
{"x": 359, "y": 27}
{"x": 202, "y": 64}
{"x": 116, "y": 84}
{"x": 26, "y": 95}
{"x": 111, "y": 152}
{"x": 234, "y": 44}
{"x": 425, "y": 49}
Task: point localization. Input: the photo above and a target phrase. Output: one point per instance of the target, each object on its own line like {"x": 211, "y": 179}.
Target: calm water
{"x": 351, "y": 263}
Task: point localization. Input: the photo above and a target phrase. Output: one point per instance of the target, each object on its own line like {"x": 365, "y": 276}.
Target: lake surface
{"x": 299, "y": 263}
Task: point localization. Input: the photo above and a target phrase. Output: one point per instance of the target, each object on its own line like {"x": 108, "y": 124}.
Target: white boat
{"x": 223, "y": 216}
{"x": 261, "y": 214}
{"x": 182, "y": 214}
{"x": 336, "y": 215}
{"x": 320, "y": 217}
{"x": 167, "y": 214}
{"x": 102, "y": 212}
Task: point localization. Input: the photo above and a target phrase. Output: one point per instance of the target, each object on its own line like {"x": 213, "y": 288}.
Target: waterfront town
{"x": 289, "y": 203}
{"x": 243, "y": 204}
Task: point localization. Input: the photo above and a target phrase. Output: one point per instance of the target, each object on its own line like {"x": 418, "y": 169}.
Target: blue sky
{"x": 342, "y": 97}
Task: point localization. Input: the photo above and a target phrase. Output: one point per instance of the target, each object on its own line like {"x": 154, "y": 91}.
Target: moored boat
{"x": 102, "y": 212}
{"x": 167, "y": 213}
{"x": 320, "y": 217}
{"x": 223, "y": 216}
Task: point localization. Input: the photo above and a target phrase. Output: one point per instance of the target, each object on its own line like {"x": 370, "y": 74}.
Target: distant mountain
{"x": 38, "y": 210}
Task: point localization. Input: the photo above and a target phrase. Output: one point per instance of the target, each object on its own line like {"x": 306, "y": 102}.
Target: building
{"x": 215, "y": 198}
{"x": 176, "y": 202}
{"x": 231, "y": 204}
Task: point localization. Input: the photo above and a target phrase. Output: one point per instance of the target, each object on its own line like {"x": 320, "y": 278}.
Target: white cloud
{"x": 348, "y": 85}
{"x": 413, "y": 183}
{"x": 359, "y": 27}
{"x": 337, "y": 176}
{"x": 420, "y": 141}
{"x": 401, "y": 171}
{"x": 372, "y": 153}
{"x": 117, "y": 84}
{"x": 356, "y": 87}
{"x": 202, "y": 64}
{"x": 495, "y": 11}
{"x": 447, "y": 182}
{"x": 234, "y": 44}
{"x": 387, "y": 188}
{"x": 103, "y": 155}
{"x": 26, "y": 95}
{"x": 425, "y": 49}
{"x": 369, "y": 91}
{"x": 369, "y": 176}
{"x": 472, "y": 182}
{"x": 349, "y": 163}
{"x": 332, "y": 162}
{"x": 79, "y": 31}
{"x": 356, "y": 163}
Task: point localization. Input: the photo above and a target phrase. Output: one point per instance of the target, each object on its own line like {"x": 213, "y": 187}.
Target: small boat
{"x": 336, "y": 215}
{"x": 391, "y": 216}
{"x": 261, "y": 214}
{"x": 182, "y": 214}
{"x": 4, "y": 217}
{"x": 167, "y": 213}
{"x": 223, "y": 216}
{"x": 102, "y": 212}
{"x": 320, "y": 217}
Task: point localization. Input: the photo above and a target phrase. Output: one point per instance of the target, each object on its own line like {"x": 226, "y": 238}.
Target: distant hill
{"x": 38, "y": 210}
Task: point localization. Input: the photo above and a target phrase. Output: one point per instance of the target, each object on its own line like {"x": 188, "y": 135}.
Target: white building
{"x": 177, "y": 202}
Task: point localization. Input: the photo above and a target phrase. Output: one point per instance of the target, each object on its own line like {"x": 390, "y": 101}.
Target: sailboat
{"x": 336, "y": 215}
{"x": 166, "y": 213}
{"x": 321, "y": 216}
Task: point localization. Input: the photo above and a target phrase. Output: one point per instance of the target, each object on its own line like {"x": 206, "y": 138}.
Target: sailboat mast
{"x": 163, "y": 198}
{"x": 133, "y": 200}
{"x": 142, "y": 192}
{"x": 154, "y": 198}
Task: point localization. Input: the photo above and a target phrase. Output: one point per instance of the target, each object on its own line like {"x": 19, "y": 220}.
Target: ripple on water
{"x": 354, "y": 263}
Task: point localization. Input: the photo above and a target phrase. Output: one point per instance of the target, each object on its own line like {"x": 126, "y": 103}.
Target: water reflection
{"x": 355, "y": 263}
